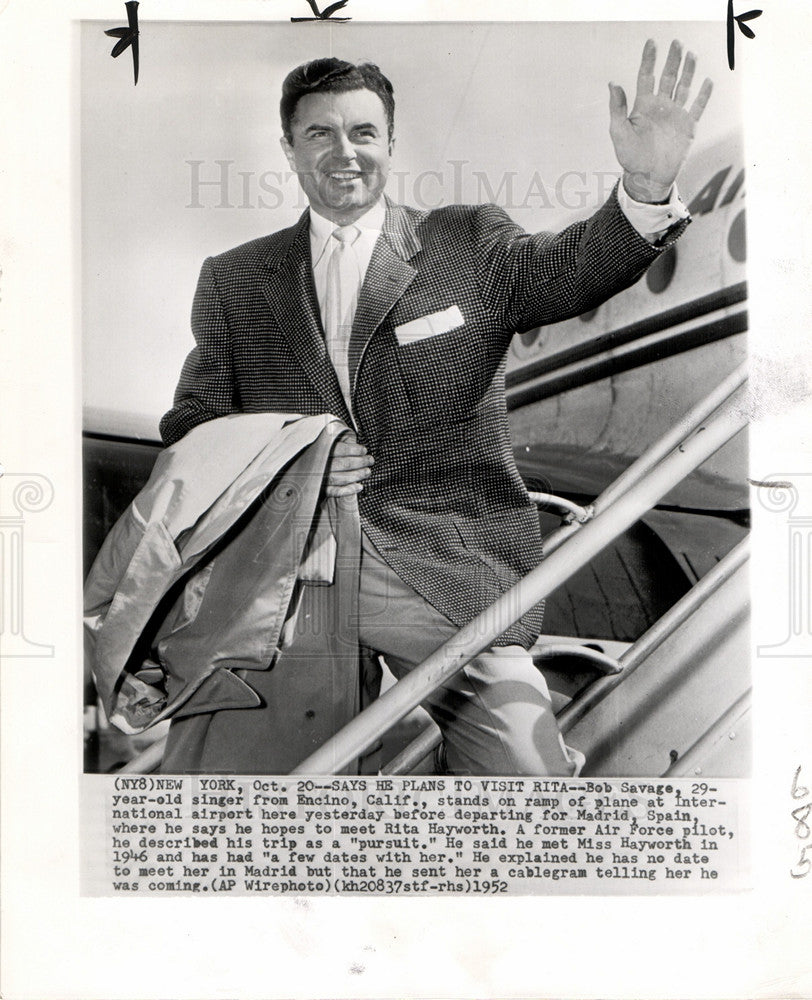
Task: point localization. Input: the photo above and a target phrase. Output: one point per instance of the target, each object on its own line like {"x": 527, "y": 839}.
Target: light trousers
{"x": 496, "y": 715}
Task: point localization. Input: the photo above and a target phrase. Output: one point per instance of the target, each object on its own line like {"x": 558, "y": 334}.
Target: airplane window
{"x": 659, "y": 275}
{"x": 737, "y": 239}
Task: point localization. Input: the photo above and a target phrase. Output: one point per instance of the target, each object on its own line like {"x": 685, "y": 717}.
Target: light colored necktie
{"x": 343, "y": 281}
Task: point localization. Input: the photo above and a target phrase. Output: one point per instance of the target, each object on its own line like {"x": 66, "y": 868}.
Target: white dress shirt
{"x": 652, "y": 221}
{"x": 321, "y": 230}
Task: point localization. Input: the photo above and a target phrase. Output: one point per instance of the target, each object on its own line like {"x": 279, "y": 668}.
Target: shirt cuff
{"x": 652, "y": 221}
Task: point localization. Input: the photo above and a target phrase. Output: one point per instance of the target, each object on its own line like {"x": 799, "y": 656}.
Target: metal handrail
{"x": 654, "y": 454}
{"x": 430, "y": 737}
{"x": 606, "y": 664}
{"x": 148, "y": 760}
{"x": 687, "y": 763}
{"x": 481, "y": 632}
{"x": 571, "y": 509}
{"x": 652, "y": 639}
{"x": 427, "y": 739}
{"x": 624, "y": 667}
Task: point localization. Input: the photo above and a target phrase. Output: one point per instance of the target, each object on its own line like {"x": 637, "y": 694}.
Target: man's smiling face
{"x": 340, "y": 151}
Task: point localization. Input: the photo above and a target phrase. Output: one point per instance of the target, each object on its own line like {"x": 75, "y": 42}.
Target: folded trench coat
{"x": 202, "y": 601}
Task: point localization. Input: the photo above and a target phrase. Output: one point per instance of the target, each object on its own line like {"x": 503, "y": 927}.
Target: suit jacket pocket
{"x": 432, "y": 325}
{"x": 444, "y": 376}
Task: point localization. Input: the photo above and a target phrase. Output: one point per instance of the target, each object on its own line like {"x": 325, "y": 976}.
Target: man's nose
{"x": 343, "y": 149}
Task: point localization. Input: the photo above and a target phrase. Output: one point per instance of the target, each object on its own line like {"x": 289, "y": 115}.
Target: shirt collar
{"x": 321, "y": 229}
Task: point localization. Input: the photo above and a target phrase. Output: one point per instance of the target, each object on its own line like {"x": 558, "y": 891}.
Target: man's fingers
{"x": 353, "y": 461}
{"x": 340, "y": 477}
{"x": 348, "y": 446}
{"x": 350, "y": 465}
{"x": 645, "y": 76}
{"x": 669, "y": 78}
{"x": 684, "y": 85}
{"x": 618, "y": 108}
{"x": 343, "y": 463}
{"x": 343, "y": 491}
{"x": 702, "y": 99}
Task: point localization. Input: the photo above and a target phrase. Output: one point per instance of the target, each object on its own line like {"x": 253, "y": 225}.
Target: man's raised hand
{"x": 652, "y": 142}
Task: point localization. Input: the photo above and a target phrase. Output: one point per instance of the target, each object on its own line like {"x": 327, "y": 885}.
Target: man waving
{"x": 398, "y": 321}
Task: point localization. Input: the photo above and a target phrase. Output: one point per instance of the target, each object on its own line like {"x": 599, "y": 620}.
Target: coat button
{"x": 310, "y": 714}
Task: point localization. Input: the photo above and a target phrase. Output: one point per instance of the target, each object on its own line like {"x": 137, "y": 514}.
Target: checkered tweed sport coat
{"x": 444, "y": 504}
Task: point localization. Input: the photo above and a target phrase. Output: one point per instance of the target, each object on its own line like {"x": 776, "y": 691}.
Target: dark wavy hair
{"x": 322, "y": 75}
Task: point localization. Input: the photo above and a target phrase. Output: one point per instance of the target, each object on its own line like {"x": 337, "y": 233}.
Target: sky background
{"x": 483, "y": 112}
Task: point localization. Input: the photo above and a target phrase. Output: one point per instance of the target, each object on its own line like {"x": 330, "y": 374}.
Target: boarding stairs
{"x": 686, "y": 650}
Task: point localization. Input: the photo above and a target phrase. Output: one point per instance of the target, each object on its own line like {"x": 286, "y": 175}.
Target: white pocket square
{"x": 429, "y": 326}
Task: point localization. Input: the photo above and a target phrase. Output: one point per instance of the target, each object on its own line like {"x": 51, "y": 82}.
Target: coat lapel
{"x": 388, "y": 276}
{"x": 292, "y": 297}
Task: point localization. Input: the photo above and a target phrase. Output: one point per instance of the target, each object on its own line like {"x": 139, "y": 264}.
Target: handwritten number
{"x": 800, "y": 814}
{"x": 804, "y": 863}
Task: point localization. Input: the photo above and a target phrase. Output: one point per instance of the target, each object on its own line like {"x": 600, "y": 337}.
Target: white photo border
{"x": 58, "y": 944}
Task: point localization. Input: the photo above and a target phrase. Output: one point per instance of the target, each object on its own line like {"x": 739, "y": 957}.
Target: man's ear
{"x": 287, "y": 149}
